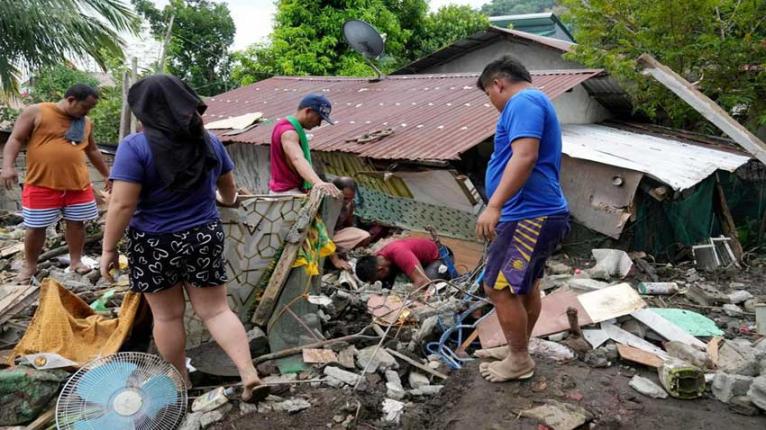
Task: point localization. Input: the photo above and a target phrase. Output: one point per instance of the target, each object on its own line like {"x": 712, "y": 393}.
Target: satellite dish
{"x": 364, "y": 39}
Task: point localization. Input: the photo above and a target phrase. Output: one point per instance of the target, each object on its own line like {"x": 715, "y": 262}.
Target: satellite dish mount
{"x": 365, "y": 39}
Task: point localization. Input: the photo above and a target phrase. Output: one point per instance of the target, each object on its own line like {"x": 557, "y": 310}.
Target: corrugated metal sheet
{"x": 674, "y": 162}
{"x": 434, "y": 117}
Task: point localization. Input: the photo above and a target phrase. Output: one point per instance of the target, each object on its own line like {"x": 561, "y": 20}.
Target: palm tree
{"x": 39, "y": 33}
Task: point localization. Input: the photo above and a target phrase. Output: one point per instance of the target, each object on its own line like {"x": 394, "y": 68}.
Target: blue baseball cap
{"x": 319, "y": 104}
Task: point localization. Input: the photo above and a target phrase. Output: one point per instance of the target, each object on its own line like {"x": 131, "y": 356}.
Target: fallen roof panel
{"x": 677, "y": 163}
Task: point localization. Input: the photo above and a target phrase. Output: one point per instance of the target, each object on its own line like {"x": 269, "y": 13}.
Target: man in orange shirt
{"x": 59, "y": 138}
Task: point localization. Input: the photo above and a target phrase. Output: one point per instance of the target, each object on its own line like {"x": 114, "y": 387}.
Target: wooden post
{"x": 133, "y": 79}
{"x": 706, "y": 107}
{"x": 727, "y": 221}
{"x": 125, "y": 112}
{"x": 293, "y": 242}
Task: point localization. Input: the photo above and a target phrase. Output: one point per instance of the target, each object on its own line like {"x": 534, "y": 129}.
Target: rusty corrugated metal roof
{"x": 434, "y": 117}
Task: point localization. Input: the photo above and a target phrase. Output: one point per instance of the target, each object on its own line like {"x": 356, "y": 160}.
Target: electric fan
{"x": 127, "y": 390}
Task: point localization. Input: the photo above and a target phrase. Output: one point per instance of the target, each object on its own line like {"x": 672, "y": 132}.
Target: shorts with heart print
{"x": 159, "y": 261}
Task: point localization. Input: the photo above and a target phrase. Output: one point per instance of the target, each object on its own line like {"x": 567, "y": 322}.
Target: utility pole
{"x": 165, "y": 43}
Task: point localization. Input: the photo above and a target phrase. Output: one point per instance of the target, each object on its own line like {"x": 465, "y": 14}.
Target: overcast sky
{"x": 253, "y": 18}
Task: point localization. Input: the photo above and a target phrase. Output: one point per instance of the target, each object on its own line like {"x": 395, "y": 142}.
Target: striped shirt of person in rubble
{"x": 418, "y": 258}
{"x": 166, "y": 181}
{"x": 291, "y": 168}
{"x": 526, "y": 216}
{"x": 58, "y": 138}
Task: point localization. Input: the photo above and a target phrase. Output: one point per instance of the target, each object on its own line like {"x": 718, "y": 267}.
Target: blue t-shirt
{"x": 529, "y": 113}
{"x": 161, "y": 210}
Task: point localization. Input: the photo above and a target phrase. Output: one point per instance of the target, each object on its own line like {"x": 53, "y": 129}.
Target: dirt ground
{"x": 469, "y": 402}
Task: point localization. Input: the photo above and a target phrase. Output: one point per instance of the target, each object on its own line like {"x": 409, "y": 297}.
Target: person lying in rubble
{"x": 291, "y": 168}
{"x": 418, "y": 258}
{"x": 526, "y": 216}
{"x": 166, "y": 181}
{"x": 347, "y": 236}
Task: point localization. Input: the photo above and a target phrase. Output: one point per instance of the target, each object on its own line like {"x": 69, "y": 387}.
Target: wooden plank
{"x": 712, "y": 349}
{"x": 11, "y": 250}
{"x": 611, "y": 302}
{"x": 294, "y": 240}
{"x": 638, "y": 356}
{"x": 667, "y": 329}
{"x": 468, "y": 253}
{"x": 706, "y": 107}
{"x": 727, "y": 222}
{"x": 314, "y": 355}
{"x": 468, "y": 341}
{"x": 420, "y": 366}
{"x": 20, "y": 298}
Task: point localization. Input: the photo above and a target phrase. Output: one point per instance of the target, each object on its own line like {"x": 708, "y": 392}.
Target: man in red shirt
{"x": 291, "y": 169}
{"x": 411, "y": 256}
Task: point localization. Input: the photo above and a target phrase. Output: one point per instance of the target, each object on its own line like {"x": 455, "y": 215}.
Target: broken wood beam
{"x": 727, "y": 221}
{"x": 293, "y": 242}
{"x": 420, "y": 366}
{"x": 299, "y": 349}
{"x": 704, "y": 105}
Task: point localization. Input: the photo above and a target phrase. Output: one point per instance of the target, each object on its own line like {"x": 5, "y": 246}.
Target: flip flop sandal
{"x": 260, "y": 392}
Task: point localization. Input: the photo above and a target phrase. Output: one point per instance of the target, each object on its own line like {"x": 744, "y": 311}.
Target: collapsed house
{"x": 418, "y": 144}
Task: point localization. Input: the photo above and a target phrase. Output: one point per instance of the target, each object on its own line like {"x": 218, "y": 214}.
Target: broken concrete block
{"x": 426, "y": 329}
{"x": 377, "y": 360}
{"x": 726, "y": 386}
{"x": 757, "y": 392}
{"x": 346, "y": 377}
{"x": 743, "y": 405}
{"x": 393, "y": 376}
{"x": 418, "y": 380}
{"x": 191, "y": 421}
{"x": 738, "y": 359}
{"x": 609, "y": 263}
{"x": 247, "y": 408}
{"x": 209, "y": 418}
{"x": 687, "y": 353}
{"x": 739, "y": 296}
{"x": 647, "y": 387}
{"x": 559, "y": 416}
{"x": 392, "y": 410}
{"x": 732, "y": 310}
{"x": 634, "y": 327}
{"x": 705, "y": 295}
{"x": 292, "y": 406}
{"x": 427, "y": 390}
{"x": 395, "y": 391}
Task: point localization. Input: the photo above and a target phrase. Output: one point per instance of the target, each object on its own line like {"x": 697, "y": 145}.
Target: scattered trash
{"x": 658, "y": 288}
{"x": 692, "y": 322}
{"x": 682, "y": 380}
{"x": 558, "y": 415}
{"x": 737, "y": 358}
{"x": 726, "y": 386}
{"x": 48, "y": 360}
{"x": 609, "y": 263}
{"x": 320, "y": 300}
{"x": 739, "y": 296}
{"x": 647, "y": 387}
{"x": 212, "y": 399}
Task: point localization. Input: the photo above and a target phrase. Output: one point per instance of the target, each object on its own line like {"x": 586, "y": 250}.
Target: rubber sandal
{"x": 260, "y": 392}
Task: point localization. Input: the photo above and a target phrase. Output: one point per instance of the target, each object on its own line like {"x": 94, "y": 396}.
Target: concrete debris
{"x": 610, "y": 263}
{"x": 247, "y": 408}
{"x": 737, "y": 358}
{"x": 743, "y": 405}
{"x": 559, "y": 416}
{"x": 344, "y": 376}
{"x": 726, "y": 386}
{"x": 392, "y": 410}
{"x": 449, "y": 307}
{"x": 209, "y": 418}
{"x": 379, "y": 359}
{"x": 732, "y": 310}
{"x": 705, "y": 295}
{"x": 292, "y": 406}
{"x": 427, "y": 390}
{"x": 192, "y": 421}
{"x": 418, "y": 380}
{"x": 558, "y": 268}
{"x": 688, "y": 353}
{"x": 550, "y": 350}
{"x": 395, "y": 391}
{"x": 635, "y": 328}
{"x": 554, "y": 281}
{"x": 757, "y": 392}
{"x": 739, "y": 296}
{"x": 647, "y": 387}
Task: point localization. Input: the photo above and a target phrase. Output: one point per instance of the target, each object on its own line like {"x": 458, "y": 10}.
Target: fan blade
{"x": 111, "y": 421}
{"x": 98, "y": 384}
{"x": 158, "y": 391}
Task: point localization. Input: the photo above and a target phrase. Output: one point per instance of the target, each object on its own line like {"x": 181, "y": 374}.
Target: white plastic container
{"x": 212, "y": 399}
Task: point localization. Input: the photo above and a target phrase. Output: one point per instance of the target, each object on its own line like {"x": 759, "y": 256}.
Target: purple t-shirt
{"x": 161, "y": 210}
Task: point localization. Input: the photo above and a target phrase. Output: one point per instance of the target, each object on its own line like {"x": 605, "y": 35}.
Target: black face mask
{"x": 170, "y": 112}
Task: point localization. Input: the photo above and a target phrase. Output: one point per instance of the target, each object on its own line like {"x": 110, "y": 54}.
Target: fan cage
{"x": 73, "y": 412}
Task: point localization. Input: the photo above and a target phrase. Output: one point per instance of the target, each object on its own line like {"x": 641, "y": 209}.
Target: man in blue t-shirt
{"x": 526, "y": 216}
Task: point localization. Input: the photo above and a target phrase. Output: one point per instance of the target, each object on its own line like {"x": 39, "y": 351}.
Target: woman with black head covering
{"x": 165, "y": 180}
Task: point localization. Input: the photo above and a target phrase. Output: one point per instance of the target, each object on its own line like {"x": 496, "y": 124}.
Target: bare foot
{"x": 80, "y": 268}
{"x": 25, "y": 274}
{"x": 508, "y": 369}
{"x": 497, "y": 353}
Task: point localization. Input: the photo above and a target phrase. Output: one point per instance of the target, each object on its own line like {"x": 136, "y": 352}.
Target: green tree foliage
{"x": 50, "y": 84}
{"x": 517, "y": 7}
{"x": 42, "y": 33}
{"x": 720, "y": 45}
{"x": 202, "y": 33}
{"x": 307, "y": 38}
